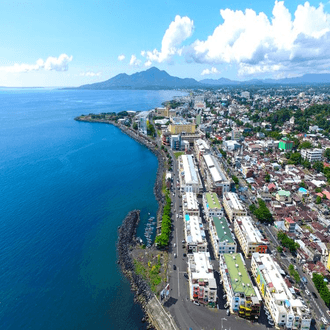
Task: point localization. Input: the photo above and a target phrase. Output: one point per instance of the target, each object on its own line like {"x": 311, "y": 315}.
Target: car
{"x": 174, "y": 255}
{"x": 183, "y": 241}
{"x": 186, "y": 275}
{"x": 174, "y": 267}
{"x": 314, "y": 294}
{"x": 293, "y": 260}
{"x": 228, "y": 312}
{"x": 271, "y": 322}
{"x": 307, "y": 292}
{"x": 196, "y": 303}
{"x": 174, "y": 244}
{"x": 184, "y": 255}
{"x": 324, "y": 320}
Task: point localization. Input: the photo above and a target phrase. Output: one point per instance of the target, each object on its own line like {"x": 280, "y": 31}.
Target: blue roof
{"x": 302, "y": 190}
{"x": 187, "y": 217}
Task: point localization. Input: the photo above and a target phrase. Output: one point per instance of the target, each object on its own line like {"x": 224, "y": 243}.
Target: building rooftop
{"x": 251, "y": 233}
{"x": 284, "y": 193}
{"x": 197, "y": 234}
{"x": 233, "y": 201}
{"x": 191, "y": 199}
{"x": 213, "y": 201}
{"x": 200, "y": 266}
{"x": 223, "y": 231}
{"x": 189, "y": 169}
{"x": 239, "y": 277}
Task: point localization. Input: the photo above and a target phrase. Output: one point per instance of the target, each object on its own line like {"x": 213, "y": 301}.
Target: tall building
{"x": 223, "y": 241}
{"x": 232, "y": 205}
{"x": 249, "y": 237}
{"x": 179, "y": 125}
{"x": 285, "y": 310}
{"x": 212, "y": 206}
{"x": 202, "y": 284}
{"x": 201, "y": 148}
{"x": 285, "y": 144}
{"x": 242, "y": 297}
{"x": 312, "y": 155}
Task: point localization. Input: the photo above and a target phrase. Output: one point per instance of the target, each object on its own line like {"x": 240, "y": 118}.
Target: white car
{"x": 324, "y": 320}
{"x": 307, "y": 292}
{"x": 271, "y": 322}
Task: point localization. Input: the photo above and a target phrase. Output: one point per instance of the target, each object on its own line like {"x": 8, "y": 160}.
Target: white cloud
{"x": 259, "y": 44}
{"x": 212, "y": 71}
{"x": 90, "y": 74}
{"x": 121, "y": 57}
{"x": 178, "y": 31}
{"x": 52, "y": 63}
{"x": 147, "y": 63}
{"x": 134, "y": 61}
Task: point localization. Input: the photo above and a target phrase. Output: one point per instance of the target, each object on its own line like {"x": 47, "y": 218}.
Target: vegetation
{"x": 135, "y": 126}
{"x": 287, "y": 242}
{"x": 267, "y": 177}
{"x": 178, "y": 154}
{"x": 294, "y": 274}
{"x": 262, "y": 212}
{"x": 280, "y": 249}
{"x": 235, "y": 179}
{"x": 163, "y": 239}
{"x": 322, "y": 288}
{"x": 318, "y": 200}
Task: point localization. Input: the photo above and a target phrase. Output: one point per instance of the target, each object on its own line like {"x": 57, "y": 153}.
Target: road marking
{"x": 178, "y": 282}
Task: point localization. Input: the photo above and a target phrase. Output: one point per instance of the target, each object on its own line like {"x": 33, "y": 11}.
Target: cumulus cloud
{"x": 52, "y": 63}
{"x": 147, "y": 64}
{"x": 121, "y": 57}
{"x": 259, "y": 44}
{"x": 213, "y": 70}
{"x": 134, "y": 61}
{"x": 90, "y": 74}
{"x": 178, "y": 31}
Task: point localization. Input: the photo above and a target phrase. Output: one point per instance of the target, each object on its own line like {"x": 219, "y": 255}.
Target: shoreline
{"x": 155, "y": 315}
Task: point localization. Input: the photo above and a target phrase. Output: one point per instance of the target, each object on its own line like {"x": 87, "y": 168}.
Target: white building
{"x": 202, "y": 284}
{"x": 242, "y": 297}
{"x": 189, "y": 177}
{"x": 143, "y": 120}
{"x": 232, "y": 205}
{"x": 223, "y": 240}
{"x": 312, "y": 155}
{"x": 249, "y": 237}
{"x": 190, "y": 204}
{"x": 285, "y": 310}
{"x": 216, "y": 178}
{"x": 212, "y": 206}
{"x": 195, "y": 234}
{"x": 201, "y": 148}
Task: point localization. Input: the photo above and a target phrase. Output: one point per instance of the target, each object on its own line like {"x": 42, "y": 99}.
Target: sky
{"x": 71, "y": 43}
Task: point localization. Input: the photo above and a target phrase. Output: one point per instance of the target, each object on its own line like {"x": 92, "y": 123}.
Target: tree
{"x": 318, "y": 200}
{"x": 280, "y": 249}
{"x": 267, "y": 177}
{"x": 135, "y": 126}
{"x": 151, "y": 129}
{"x": 318, "y": 166}
{"x": 305, "y": 145}
{"x": 235, "y": 179}
{"x": 327, "y": 154}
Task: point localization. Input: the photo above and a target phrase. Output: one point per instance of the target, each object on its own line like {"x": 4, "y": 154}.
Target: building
{"x": 215, "y": 177}
{"x": 143, "y": 121}
{"x": 285, "y": 310}
{"x": 249, "y": 237}
{"x": 190, "y": 204}
{"x": 285, "y": 144}
{"x": 199, "y": 103}
{"x": 195, "y": 234}
{"x": 212, "y": 206}
{"x": 202, "y": 284}
{"x": 283, "y": 196}
{"x": 242, "y": 297}
{"x": 189, "y": 177}
{"x": 166, "y": 138}
{"x": 175, "y": 142}
{"x": 312, "y": 155}
{"x": 236, "y": 134}
{"x": 223, "y": 240}
{"x": 232, "y": 205}
{"x": 179, "y": 125}
{"x": 290, "y": 225}
{"x": 245, "y": 95}
{"x": 231, "y": 145}
{"x": 201, "y": 148}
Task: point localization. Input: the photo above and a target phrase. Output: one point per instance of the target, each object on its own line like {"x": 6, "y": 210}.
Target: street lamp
{"x": 222, "y": 322}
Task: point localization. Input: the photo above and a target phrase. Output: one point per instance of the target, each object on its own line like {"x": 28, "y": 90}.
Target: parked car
{"x": 184, "y": 255}
{"x": 186, "y": 275}
{"x": 174, "y": 255}
{"x": 174, "y": 267}
{"x": 307, "y": 292}
{"x": 271, "y": 322}
{"x": 324, "y": 320}
{"x": 196, "y": 303}
{"x": 314, "y": 294}
{"x": 228, "y": 312}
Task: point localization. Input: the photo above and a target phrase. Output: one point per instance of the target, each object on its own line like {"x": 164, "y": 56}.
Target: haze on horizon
{"x": 69, "y": 43}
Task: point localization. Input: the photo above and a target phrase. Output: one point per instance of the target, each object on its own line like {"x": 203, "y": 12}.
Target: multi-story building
{"x": 285, "y": 310}
{"x": 179, "y": 125}
{"x": 290, "y": 225}
{"x": 194, "y": 234}
{"x": 242, "y": 297}
{"x": 202, "y": 284}
{"x": 175, "y": 142}
{"x": 215, "y": 177}
{"x": 312, "y": 155}
{"x": 189, "y": 177}
{"x": 285, "y": 144}
{"x": 236, "y": 134}
{"x": 190, "y": 204}
{"x": 249, "y": 237}
{"x": 201, "y": 148}
{"x": 233, "y": 207}
{"x": 212, "y": 205}
{"x": 223, "y": 241}
{"x": 143, "y": 121}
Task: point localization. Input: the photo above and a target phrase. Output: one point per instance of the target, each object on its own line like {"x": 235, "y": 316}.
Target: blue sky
{"x": 69, "y": 43}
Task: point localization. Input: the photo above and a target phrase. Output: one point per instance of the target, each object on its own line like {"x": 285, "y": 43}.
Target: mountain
{"x": 310, "y": 78}
{"x": 152, "y": 78}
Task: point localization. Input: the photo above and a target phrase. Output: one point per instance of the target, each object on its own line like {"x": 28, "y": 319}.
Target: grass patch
{"x": 178, "y": 154}
{"x": 308, "y": 228}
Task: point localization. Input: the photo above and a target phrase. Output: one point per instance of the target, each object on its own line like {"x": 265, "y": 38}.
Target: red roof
{"x": 326, "y": 193}
{"x": 289, "y": 220}
{"x": 320, "y": 194}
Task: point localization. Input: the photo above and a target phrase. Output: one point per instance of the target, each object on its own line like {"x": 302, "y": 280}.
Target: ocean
{"x": 65, "y": 187}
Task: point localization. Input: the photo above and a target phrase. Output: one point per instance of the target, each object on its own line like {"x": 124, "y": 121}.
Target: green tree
{"x": 280, "y": 249}
{"x": 318, "y": 200}
{"x": 135, "y": 126}
{"x": 235, "y": 179}
{"x": 267, "y": 177}
{"x": 327, "y": 154}
{"x": 318, "y": 166}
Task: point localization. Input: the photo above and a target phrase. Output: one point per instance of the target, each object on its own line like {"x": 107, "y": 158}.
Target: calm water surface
{"x": 65, "y": 187}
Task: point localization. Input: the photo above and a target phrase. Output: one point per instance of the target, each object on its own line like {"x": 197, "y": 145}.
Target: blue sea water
{"x": 65, "y": 187}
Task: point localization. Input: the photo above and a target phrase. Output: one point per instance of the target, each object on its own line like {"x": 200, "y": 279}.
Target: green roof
{"x": 213, "y": 203}
{"x": 223, "y": 231}
{"x": 284, "y": 193}
{"x": 234, "y": 271}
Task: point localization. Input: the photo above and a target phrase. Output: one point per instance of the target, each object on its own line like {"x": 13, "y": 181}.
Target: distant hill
{"x": 152, "y": 78}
